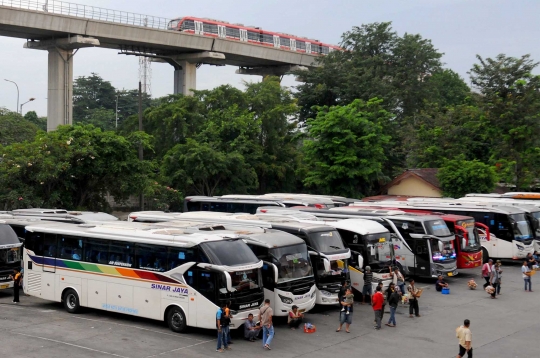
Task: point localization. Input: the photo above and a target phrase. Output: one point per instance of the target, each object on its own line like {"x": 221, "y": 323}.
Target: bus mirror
{"x": 463, "y": 242}
{"x": 372, "y": 250}
{"x": 326, "y": 263}
{"x": 360, "y": 261}
{"x": 441, "y": 246}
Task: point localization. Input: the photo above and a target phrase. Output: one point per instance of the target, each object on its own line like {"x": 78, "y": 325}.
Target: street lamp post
{"x": 30, "y": 100}
{"x": 17, "y": 108}
{"x": 116, "y": 112}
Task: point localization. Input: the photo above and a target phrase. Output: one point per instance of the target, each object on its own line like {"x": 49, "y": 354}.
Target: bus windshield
{"x": 326, "y": 242}
{"x": 246, "y": 280}
{"x": 437, "y": 228}
{"x": 292, "y": 262}
{"x": 473, "y": 243}
{"x": 521, "y": 228}
{"x": 378, "y": 248}
{"x": 442, "y": 251}
{"x": 229, "y": 253}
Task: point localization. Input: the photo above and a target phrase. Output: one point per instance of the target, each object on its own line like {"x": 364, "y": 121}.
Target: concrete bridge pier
{"x": 185, "y": 78}
{"x": 60, "y": 76}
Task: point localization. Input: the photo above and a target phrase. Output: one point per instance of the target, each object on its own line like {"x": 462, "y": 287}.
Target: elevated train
{"x": 250, "y": 34}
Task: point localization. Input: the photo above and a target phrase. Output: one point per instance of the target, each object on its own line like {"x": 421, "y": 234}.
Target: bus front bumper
{"x": 6, "y": 284}
{"x": 240, "y": 317}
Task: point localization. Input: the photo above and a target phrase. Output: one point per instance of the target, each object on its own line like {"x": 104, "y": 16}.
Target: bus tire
{"x": 485, "y": 255}
{"x": 71, "y": 301}
{"x": 176, "y": 319}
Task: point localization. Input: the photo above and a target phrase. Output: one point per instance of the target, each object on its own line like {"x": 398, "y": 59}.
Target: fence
{"x": 88, "y": 12}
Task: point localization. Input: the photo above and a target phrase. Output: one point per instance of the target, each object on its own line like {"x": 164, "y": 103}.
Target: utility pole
{"x": 141, "y": 197}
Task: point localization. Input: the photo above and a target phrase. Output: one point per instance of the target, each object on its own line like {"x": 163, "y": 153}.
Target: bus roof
{"x": 445, "y": 204}
{"x": 132, "y": 232}
{"x": 245, "y": 199}
{"x": 360, "y": 226}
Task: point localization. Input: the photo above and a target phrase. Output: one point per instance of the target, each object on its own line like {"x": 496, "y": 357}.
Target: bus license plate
{"x": 4, "y": 286}
{"x": 450, "y": 274}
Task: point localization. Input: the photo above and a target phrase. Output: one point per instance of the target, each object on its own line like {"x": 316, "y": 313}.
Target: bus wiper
{"x": 335, "y": 247}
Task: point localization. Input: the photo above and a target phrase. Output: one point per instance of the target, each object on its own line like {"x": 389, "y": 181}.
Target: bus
{"x": 161, "y": 273}
{"x": 10, "y": 255}
{"x": 247, "y": 204}
{"x": 369, "y": 242}
{"x": 511, "y": 235}
{"x": 422, "y": 243}
{"x": 329, "y": 257}
{"x": 287, "y": 273}
{"x": 336, "y": 201}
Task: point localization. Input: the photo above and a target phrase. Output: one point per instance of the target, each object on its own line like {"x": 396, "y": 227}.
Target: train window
{"x": 210, "y": 28}
{"x": 232, "y": 32}
{"x": 253, "y": 36}
{"x": 285, "y": 42}
{"x": 267, "y": 39}
{"x": 187, "y": 25}
{"x": 173, "y": 25}
{"x": 300, "y": 45}
{"x": 315, "y": 48}
{"x": 324, "y": 50}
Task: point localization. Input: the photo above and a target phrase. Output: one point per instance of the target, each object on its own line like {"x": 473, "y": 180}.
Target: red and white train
{"x": 253, "y": 35}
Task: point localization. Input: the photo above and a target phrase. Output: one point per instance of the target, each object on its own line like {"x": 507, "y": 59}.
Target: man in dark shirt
{"x": 440, "y": 284}
{"x": 367, "y": 289}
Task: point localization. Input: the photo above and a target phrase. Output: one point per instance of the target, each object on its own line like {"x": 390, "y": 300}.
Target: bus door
{"x": 208, "y": 285}
{"x": 355, "y": 243}
{"x": 422, "y": 257}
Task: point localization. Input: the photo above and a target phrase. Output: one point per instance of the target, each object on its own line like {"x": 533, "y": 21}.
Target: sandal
{"x": 338, "y": 330}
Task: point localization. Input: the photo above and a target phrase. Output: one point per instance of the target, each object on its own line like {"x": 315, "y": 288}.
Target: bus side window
{"x": 96, "y": 251}
{"x": 34, "y": 242}
{"x": 251, "y": 208}
{"x": 70, "y": 248}
{"x": 49, "y": 245}
{"x": 121, "y": 254}
{"x": 177, "y": 257}
{"x": 151, "y": 257}
{"x": 194, "y": 206}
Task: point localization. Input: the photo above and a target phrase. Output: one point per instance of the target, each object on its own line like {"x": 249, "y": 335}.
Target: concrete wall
{"x": 413, "y": 186}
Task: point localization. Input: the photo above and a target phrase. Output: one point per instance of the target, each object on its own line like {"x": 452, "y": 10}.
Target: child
{"x": 348, "y": 298}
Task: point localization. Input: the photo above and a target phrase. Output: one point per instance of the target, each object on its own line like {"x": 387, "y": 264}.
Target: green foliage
{"x": 447, "y": 88}
{"x": 459, "y": 177}
{"x": 72, "y": 167}
{"x": 95, "y": 102}
{"x": 511, "y": 102}
{"x": 14, "y": 128}
{"x": 40, "y": 122}
{"x": 345, "y": 152}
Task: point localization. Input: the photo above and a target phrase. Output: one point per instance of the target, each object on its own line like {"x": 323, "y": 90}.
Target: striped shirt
{"x": 368, "y": 278}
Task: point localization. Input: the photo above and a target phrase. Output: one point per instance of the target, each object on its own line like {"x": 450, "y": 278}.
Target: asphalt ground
{"x": 505, "y": 327}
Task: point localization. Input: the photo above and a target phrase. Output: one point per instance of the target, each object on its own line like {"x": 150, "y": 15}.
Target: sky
{"x": 460, "y": 29}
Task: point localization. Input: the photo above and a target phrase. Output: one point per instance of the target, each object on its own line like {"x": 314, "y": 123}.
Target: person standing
{"x": 294, "y": 318}
{"x": 486, "y": 272}
{"x": 368, "y": 279}
{"x": 221, "y": 322}
{"x": 265, "y": 317}
{"x": 343, "y": 316}
{"x": 526, "y": 272}
{"x": 398, "y": 279}
{"x": 393, "y": 300}
{"x": 498, "y": 265}
{"x": 413, "y": 300}
{"x": 16, "y": 277}
{"x": 377, "y": 302}
{"x": 494, "y": 280}
{"x": 463, "y": 333}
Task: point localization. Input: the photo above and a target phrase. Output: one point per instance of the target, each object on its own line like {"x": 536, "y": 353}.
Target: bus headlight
{"x": 325, "y": 293}
{"x": 520, "y": 248}
{"x": 286, "y": 300}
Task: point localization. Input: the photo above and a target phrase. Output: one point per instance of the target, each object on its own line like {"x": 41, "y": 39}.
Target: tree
{"x": 14, "y": 128}
{"x": 275, "y": 109}
{"x": 459, "y": 177}
{"x": 214, "y": 161}
{"x": 511, "y": 102}
{"x": 73, "y": 167}
{"x": 40, "y": 122}
{"x": 344, "y": 154}
{"x": 447, "y": 88}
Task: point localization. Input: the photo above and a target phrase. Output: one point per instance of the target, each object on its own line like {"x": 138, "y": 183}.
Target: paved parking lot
{"x": 506, "y": 327}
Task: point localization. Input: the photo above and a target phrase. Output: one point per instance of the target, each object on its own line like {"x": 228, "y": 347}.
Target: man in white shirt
{"x": 463, "y": 333}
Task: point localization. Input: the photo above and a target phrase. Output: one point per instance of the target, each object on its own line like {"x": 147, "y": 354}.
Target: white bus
{"x": 158, "y": 273}
{"x": 10, "y": 255}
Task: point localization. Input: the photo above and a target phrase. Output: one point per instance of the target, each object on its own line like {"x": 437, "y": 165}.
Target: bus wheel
{"x": 485, "y": 256}
{"x": 71, "y": 301}
{"x": 176, "y": 320}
